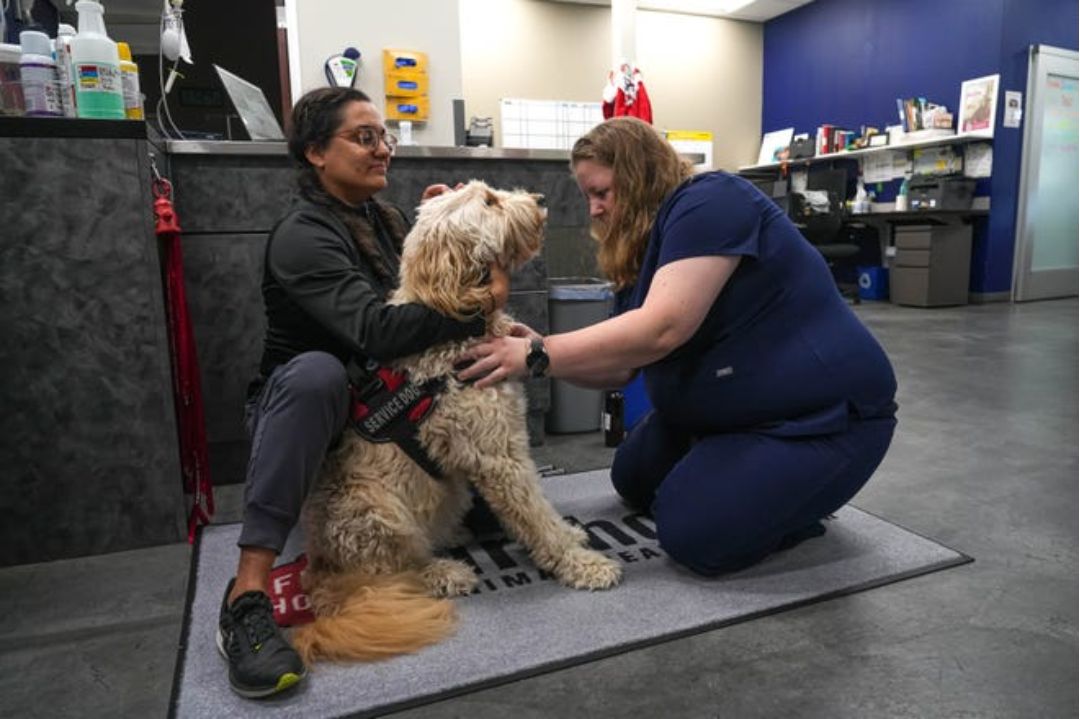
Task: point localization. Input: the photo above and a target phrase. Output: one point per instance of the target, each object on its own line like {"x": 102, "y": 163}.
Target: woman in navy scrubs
{"x": 773, "y": 404}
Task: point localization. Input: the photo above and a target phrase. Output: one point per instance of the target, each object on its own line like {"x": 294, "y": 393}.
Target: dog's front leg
{"x": 512, "y": 489}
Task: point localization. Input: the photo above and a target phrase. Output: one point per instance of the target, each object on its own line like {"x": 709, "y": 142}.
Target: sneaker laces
{"x": 258, "y": 623}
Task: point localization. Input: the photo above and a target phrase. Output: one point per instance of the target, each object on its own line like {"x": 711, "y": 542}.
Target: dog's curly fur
{"x": 375, "y": 519}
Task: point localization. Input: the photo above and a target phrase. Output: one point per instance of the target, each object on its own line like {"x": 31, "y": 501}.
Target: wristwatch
{"x": 537, "y": 360}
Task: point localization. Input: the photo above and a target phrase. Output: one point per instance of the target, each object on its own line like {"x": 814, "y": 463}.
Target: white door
{"x": 1047, "y": 237}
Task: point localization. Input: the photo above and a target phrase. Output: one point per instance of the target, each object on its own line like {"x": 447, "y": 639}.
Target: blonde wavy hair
{"x": 645, "y": 169}
{"x": 457, "y": 236}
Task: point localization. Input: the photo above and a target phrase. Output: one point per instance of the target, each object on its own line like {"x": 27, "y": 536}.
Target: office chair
{"x": 827, "y": 230}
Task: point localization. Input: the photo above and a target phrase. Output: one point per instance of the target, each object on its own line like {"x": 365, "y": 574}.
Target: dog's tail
{"x": 364, "y": 617}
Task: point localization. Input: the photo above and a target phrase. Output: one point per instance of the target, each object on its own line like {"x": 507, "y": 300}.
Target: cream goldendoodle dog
{"x": 375, "y": 520}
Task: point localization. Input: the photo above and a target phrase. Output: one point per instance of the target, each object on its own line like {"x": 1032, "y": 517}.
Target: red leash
{"x": 187, "y": 389}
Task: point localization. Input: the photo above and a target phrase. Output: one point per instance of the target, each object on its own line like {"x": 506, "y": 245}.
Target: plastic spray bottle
{"x": 62, "y": 53}
{"x": 862, "y": 200}
{"x": 129, "y": 75}
{"x": 99, "y": 92}
{"x": 37, "y": 69}
{"x": 902, "y": 196}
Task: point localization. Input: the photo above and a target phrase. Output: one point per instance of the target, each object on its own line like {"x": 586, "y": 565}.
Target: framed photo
{"x": 978, "y": 106}
{"x": 774, "y": 146}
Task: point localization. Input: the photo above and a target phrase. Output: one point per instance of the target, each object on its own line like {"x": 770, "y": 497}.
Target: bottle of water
{"x": 612, "y": 419}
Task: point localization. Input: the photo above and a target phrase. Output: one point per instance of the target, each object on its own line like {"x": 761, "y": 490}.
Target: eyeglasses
{"x": 370, "y": 137}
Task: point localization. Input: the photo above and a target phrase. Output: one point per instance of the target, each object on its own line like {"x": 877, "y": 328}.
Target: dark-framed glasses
{"x": 370, "y": 137}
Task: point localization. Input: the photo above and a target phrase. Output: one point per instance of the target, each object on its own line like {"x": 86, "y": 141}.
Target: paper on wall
{"x": 935, "y": 161}
{"x": 879, "y": 167}
{"x": 978, "y": 159}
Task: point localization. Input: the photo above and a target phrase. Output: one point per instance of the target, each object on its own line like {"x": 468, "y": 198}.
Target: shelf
{"x": 11, "y": 126}
{"x": 833, "y": 156}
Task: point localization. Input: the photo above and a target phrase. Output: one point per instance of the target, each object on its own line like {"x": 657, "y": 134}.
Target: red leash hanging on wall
{"x": 187, "y": 389}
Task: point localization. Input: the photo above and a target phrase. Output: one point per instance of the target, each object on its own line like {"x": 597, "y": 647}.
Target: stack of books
{"x": 917, "y": 113}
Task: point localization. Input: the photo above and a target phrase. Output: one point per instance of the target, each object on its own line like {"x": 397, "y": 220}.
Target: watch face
{"x": 537, "y": 359}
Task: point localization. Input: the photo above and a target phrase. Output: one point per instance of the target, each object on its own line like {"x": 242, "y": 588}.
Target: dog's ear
{"x": 444, "y": 260}
{"x": 524, "y": 234}
{"x": 456, "y": 238}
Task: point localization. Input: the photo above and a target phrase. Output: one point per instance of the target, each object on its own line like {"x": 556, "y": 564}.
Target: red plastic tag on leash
{"x": 291, "y": 605}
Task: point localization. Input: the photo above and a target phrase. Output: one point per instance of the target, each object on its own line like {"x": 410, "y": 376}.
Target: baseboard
{"x": 982, "y": 298}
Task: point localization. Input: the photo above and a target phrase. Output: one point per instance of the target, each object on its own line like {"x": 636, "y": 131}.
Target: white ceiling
{"x": 130, "y": 11}
{"x": 754, "y": 11}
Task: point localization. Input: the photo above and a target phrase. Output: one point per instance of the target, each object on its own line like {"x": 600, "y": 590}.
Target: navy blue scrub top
{"x": 779, "y": 352}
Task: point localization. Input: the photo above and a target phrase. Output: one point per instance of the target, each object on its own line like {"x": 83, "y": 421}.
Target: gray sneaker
{"x": 261, "y": 660}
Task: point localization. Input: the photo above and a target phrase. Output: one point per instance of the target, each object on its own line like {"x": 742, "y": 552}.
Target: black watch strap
{"x": 537, "y": 360}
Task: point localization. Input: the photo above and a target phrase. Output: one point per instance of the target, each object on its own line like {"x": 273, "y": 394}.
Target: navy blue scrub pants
{"x": 722, "y": 502}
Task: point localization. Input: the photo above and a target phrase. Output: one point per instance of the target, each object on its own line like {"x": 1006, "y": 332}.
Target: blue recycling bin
{"x": 636, "y": 402}
{"x": 873, "y": 283}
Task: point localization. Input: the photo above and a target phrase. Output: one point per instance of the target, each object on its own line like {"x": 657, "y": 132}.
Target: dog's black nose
{"x": 540, "y": 199}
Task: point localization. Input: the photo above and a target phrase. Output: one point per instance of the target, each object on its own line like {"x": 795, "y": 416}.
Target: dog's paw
{"x": 586, "y": 569}
{"x": 578, "y": 536}
{"x": 448, "y": 578}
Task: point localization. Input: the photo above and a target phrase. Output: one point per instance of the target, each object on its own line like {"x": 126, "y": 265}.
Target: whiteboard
{"x": 546, "y": 124}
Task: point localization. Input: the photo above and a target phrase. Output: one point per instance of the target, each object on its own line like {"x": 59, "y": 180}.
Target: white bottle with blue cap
{"x": 37, "y": 70}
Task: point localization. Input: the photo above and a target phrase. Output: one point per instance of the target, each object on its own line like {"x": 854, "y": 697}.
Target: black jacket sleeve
{"x": 314, "y": 265}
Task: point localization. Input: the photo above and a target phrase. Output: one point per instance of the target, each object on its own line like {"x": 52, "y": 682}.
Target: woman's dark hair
{"x": 316, "y": 117}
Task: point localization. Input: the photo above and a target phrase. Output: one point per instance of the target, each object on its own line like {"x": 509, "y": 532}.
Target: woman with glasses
{"x": 330, "y": 264}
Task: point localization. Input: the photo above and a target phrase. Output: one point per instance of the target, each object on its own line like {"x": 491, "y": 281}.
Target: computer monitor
{"x": 251, "y": 106}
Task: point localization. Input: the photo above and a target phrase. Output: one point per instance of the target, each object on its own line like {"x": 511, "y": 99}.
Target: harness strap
{"x": 387, "y": 407}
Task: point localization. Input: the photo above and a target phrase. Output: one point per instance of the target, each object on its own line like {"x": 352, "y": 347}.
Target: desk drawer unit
{"x": 914, "y": 237}
{"x": 932, "y": 266}
{"x": 912, "y": 258}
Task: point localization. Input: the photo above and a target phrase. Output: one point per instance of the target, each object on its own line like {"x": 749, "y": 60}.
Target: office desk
{"x": 921, "y": 217}
{"x": 932, "y": 262}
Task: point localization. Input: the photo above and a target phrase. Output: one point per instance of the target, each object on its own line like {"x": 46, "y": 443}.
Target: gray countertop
{"x": 204, "y": 147}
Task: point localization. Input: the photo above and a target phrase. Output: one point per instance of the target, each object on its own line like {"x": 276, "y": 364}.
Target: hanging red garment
{"x": 625, "y": 95}
{"x": 187, "y": 389}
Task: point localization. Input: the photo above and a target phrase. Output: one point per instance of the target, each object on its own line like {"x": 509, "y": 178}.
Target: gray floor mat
{"x": 519, "y": 624}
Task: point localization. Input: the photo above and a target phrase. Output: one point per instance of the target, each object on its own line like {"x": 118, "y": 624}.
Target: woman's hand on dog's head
{"x": 494, "y": 360}
{"x": 519, "y": 330}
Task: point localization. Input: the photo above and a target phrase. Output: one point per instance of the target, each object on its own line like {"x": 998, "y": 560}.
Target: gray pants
{"x": 292, "y": 421}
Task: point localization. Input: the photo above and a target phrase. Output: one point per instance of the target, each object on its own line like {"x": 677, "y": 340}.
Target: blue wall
{"x": 846, "y": 61}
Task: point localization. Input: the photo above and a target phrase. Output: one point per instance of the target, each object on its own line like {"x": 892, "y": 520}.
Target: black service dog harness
{"x": 388, "y": 407}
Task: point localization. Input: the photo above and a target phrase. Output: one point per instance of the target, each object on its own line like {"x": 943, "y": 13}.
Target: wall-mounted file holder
{"x": 404, "y": 60}
{"x": 406, "y": 83}
{"x": 405, "y": 79}
{"x": 407, "y": 108}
